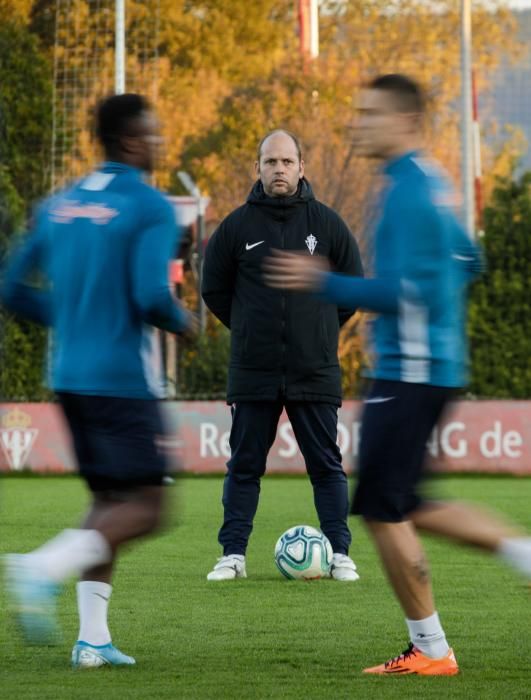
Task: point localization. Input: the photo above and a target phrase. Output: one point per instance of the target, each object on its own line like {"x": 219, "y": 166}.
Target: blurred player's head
{"x": 279, "y": 163}
{"x": 128, "y": 130}
{"x": 390, "y": 117}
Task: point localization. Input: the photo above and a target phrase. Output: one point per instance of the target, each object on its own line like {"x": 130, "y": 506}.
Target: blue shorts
{"x": 115, "y": 440}
{"x": 397, "y": 421}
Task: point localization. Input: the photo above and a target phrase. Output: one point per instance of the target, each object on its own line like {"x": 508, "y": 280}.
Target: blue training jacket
{"x": 101, "y": 249}
{"x": 423, "y": 262}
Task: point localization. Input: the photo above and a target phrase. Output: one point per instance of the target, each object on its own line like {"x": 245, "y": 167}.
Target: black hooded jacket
{"x": 283, "y": 344}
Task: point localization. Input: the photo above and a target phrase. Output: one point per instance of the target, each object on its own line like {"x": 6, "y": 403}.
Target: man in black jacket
{"x": 283, "y": 348}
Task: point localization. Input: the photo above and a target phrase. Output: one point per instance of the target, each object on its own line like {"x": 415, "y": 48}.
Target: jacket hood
{"x": 281, "y": 205}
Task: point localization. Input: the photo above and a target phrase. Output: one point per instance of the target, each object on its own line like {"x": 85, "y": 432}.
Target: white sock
{"x": 92, "y": 603}
{"x": 428, "y": 636}
{"x": 70, "y": 554}
{"x": 516, "y": 551}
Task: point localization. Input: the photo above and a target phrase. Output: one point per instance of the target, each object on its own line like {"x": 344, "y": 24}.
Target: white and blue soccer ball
{"x": 303, "y": 552}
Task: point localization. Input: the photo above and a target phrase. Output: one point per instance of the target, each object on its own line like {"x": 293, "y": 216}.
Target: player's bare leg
{"x": 119, "y": 518}
{"x": 474, "y": 526}
{"x": 464, "y": 523}
{"x": 406, "y": 566}
{"x": 407, "y": 569}
{"x": 87, "y": 552}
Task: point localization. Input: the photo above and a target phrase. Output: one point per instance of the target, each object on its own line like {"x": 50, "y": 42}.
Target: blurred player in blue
{"x": 100, "y": 250}
{"x": 423, "y": 262}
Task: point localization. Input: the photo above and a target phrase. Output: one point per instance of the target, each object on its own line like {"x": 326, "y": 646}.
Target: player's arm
{"x": 409, "y": 219}
{"x": 345, "y": 257}
{"x": 154, "y": 248}
{"x": 376, "y": 295}
{"x": 219, "y": 270}
{"x": 467, "y": 255}
{"x": 18, "y": 292}
{"x": 416, "y": 224}
{"x": 292, "y": 271}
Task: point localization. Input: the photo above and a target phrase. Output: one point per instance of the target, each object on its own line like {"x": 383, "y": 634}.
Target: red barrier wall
{"x": 476, "y": 436}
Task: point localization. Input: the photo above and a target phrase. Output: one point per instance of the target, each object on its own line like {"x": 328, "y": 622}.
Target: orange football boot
{"x": 412, "y": 660}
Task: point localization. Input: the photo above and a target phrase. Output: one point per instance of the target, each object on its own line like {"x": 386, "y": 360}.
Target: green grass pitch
{"x": 267, "y": 637}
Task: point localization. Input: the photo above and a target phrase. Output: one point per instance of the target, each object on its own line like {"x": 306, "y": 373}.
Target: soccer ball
{"x": 303, "y": 552}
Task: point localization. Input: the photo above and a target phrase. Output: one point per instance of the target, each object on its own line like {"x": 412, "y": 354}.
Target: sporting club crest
{"x": 311, "y": 243}
{"x": 17, "y": 438}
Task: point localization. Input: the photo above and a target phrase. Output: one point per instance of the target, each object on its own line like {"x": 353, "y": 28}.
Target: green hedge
{"x": 203, "y": 364}
{"x": 25, "y": 139}
{"x": 500, "y": 309}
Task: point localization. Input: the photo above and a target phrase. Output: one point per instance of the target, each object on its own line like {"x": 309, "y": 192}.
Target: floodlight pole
{"x": 194, "y": 190}
{"x": 467, "y": 144}
{"x": 314, "y": 29}
{"x": 119, "y": 48}
{"x": 200, "y": 241}
{"x": 308, "y": 11}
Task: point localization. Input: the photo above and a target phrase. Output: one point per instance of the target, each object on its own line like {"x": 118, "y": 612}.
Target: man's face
{"x": 147, "y": 140}
{"x": 380, "y": 129}
{"x": 279, "y": 167}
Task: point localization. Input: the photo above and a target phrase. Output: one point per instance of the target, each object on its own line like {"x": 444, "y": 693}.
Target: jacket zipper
{"x": 284, "y": 343}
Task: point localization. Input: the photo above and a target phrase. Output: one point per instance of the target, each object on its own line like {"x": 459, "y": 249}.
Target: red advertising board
{"x": 476, "y": 436}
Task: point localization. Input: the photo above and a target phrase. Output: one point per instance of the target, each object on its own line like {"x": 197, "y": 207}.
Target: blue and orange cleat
{"x": 88, "y": 656}
{"x": 413, "y": 661}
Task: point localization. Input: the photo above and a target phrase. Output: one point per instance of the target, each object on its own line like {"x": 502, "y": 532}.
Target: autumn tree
{"x": 223, "y": 72}
{"x": 316, "y": 101}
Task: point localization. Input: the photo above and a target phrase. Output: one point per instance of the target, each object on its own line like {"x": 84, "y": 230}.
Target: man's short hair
{"x": 409, "y": 96}
{"x": 114, "y": 115}
{"x": 280, "y": 131}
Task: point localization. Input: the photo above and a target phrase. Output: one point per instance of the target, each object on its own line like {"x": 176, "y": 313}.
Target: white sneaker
{"x": 343, "y": 568}
{"x": 229, "y": 567}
